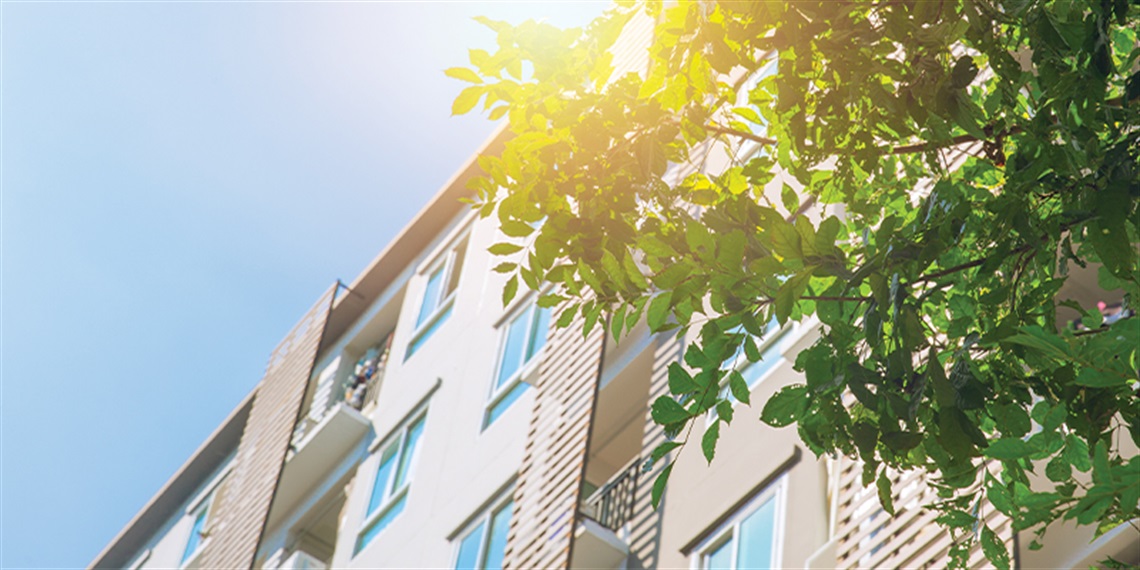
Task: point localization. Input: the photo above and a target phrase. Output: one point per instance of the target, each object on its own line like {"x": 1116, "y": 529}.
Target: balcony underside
{"x": 597, "y": 547}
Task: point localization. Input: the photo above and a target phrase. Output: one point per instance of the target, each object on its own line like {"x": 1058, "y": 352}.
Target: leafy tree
{"x": 973, "y": 151}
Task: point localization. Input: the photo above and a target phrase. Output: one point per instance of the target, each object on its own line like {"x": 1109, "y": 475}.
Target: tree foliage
{"x": 970, "y": 152}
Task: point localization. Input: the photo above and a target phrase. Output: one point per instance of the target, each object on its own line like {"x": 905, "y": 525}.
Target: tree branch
{"x": 749, "y": 136}
{"x": 902, "y": 149}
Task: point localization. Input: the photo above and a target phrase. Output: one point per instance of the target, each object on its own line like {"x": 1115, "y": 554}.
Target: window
{"x": 752, "y": 539}
{"x": 439, "y": 294}
{"x": 482, "y": 547}
{"x": 200, "y": 514}
{"x": 390, "y": 488}
{"x": 523, "y": 339}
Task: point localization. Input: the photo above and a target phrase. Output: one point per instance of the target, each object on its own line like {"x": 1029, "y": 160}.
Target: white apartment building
{"x": 411, "y": 421}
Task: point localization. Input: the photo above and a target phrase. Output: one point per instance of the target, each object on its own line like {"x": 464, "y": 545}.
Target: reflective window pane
{"x": 428, "y": 331}
{"x": 409, "y": 453}
{"x": 469, "y": 550}
{"x": 431, "y": 295}
{"x": 505, "y": 402}
{"x": 195, "y": 534}
{"x": 381, "y": 523}
{"x": 513, "y": 348}
{"x": 757, "y": 534}
{"x": 380, "y": 486}
{"x": 456, "y": 267}
{"x": 720, "y": 558}
{"x": 538, "y": 332}
{"x": 497, "y": 547}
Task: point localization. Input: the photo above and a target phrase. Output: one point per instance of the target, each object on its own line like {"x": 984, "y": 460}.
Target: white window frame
{"x": 398, "y": 438}
{"x": 483, "y": 518}
{"x": 528, "y": 368}
{"x": 777, "y": 492}
{"x": 445, "y": 260}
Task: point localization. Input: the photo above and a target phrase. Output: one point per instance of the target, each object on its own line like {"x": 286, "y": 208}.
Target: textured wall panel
{"x": 550, "y": 479}
{"x": 241, "y": 511}
{"x": 870, "y": 538}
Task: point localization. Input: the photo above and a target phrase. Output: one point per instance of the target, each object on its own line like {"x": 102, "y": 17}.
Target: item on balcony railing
{"x": 612, "y": 505}
{"x": 1109, "y": 313}
{"x": 367, "y": 370}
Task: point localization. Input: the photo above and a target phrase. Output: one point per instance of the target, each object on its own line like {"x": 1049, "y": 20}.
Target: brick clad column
{"x": 240, "y": 512}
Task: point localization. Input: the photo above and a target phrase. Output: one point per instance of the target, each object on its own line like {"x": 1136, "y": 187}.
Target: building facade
{"x": 409, "y": 420}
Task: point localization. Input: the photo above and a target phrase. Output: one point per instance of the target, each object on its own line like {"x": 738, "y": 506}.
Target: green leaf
{"x": 788, "y": 294}
{"x": 785, "y": 240}
{"x": 651, "y": 245}
{"x": 663, "y": 449}
{"x": 680, "y": 382}
{"x": 504, "y": 249}
{"x": 1077, "y": 453}
{"x": 708, "y": 441}
{"x": 1094, "y": 378}
{"x": 1000, "y": 498}
{"x": 1094, "y": 510}
{"x": 739, "y": 387}
{"x": 510, "y": 289}
{"x": 612, "y": 267}
{"x": 1009, "y": 448}
{"x": 549, "y": 300}
{"x": 505, "y": 267}
{"x": 658, "y": 312}
{"x": 1036, "y": 338}
{"x": 957, "y": 519}
{"x": 590, "y": 314}
{"x": 994, "y": 549}
{"x": 1058, "y": 469}
{"x": 1101, "y": 471}
{"x": 659, "y": 485}
{"x": 633, "y": 272}
{"x": 751, "y": 351}
{"x": 725, "y": 411}
{"x": 885, "y": 499}
{"x": 964, "y": 72}
{"x": 567, "y": 316}
{"x": 900, "y": 441}
{"x": 865, "y": 435}
{"x": 666, "y": 410}
{"x": 785, "y": 406}
{"x": 467, "y": 100}
{"x": 517, "y": 229}
{"x": 1055, "y": 417}
{"x": 463, "y": 74}
{"x": 498, "y": 112}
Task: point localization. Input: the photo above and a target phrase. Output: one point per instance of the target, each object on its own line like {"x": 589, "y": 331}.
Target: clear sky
{"x": 181, "y": 180}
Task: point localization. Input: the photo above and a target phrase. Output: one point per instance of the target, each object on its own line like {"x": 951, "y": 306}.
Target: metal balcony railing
{"x": 612, "y": 505}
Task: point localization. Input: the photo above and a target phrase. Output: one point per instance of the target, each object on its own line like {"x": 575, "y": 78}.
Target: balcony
{"x": 601, "y": 538}
{"x": 612, "y": 505}
{"x": 357, "y": 390}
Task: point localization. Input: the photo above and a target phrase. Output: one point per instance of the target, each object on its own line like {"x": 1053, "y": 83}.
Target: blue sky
{"x": 180, "y": 182}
